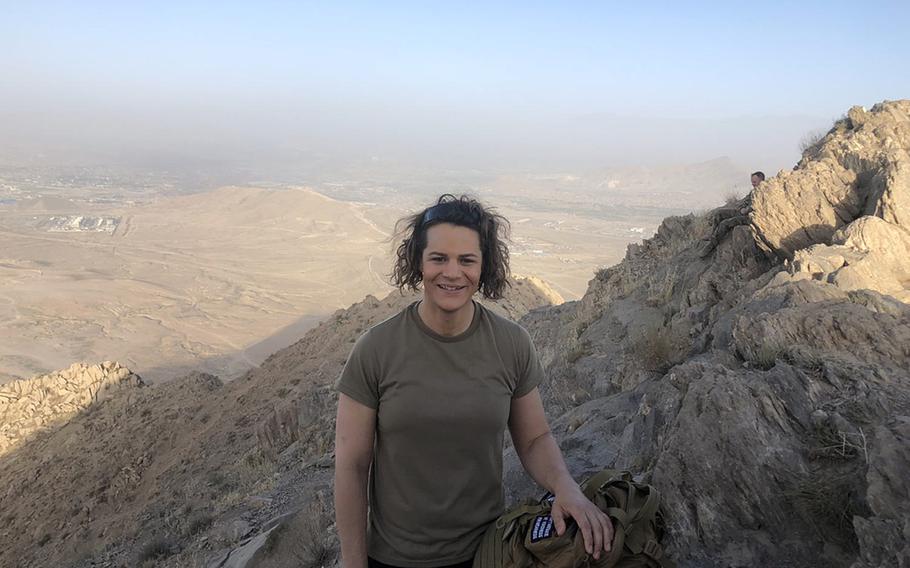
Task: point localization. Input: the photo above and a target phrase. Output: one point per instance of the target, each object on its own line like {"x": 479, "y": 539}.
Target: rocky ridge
{"x": 27, "y": 407}
{"x": 764, "y": 388}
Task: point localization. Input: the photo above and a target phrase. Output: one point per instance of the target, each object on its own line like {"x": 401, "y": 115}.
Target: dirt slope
{"x": 189, "y": 468}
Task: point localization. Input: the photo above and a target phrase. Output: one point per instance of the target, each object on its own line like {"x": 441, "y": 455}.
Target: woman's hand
{"x": 595, "y": 526}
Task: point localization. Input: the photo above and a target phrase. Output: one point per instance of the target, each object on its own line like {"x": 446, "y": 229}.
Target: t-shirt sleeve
{"x": 530, "y": 372}
{"x": 360, "y": 377}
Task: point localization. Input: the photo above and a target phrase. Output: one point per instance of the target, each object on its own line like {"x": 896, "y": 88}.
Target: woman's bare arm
{"x": 541, "y": 458}
{"x": 355, "y": 428}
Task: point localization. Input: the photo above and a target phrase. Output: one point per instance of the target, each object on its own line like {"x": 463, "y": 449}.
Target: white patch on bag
{"x": 543, "y": 528}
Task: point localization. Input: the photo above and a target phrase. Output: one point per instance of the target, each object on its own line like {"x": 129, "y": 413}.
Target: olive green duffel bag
{"x": 525, "y": 537}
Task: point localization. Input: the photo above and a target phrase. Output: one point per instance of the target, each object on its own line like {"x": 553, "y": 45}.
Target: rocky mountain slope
{"x": 753, "y": 363}
{"x": 179, "y": 474}
{"x": 765, "y": 386}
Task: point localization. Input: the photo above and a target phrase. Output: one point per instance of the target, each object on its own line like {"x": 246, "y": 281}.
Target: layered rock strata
{"x": 32, "y": 405}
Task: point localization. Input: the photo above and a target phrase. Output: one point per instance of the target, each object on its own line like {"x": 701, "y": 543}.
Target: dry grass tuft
{"x": 660, "y": 292}
{"x": 583, "y": 349}
{"x": 198, "y": 523}
{"x": 657, "y": 349}
{"x": 156, "y": 549}
{"x": 564, "y": 391}
{"x": 304, "y": 542}
{"x": 254, "y": 473}
{"x": 831, "y": 443}
{"x": 806, "y": 358}
{"x": 764, "y": 355}
{"x": 812, "y": 140}
{"x": 829, "y": 501}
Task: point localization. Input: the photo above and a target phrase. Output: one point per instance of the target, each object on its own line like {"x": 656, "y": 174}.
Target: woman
{"x": 425, "y": 399}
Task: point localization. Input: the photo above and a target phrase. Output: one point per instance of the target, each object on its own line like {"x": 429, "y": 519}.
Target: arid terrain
{"x": 188, "y": 282}
{"x": 215, "y": 281}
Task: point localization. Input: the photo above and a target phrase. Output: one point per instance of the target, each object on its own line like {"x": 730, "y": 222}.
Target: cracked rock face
{"x": 869, "y": 253}
{"x": 762, "y": 385}
{"x": 31, "y": 405}
{"x": 861, "y": 168}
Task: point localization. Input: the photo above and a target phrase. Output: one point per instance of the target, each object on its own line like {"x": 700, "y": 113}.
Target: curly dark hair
{"x": 464, "y": 211}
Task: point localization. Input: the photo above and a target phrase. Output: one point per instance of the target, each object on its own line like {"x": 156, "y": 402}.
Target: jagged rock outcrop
{"x": 771, "y": 446}
{"x": 860, "y": 168}
{"x": 767, "y": 399}
{"x": 32, "y": 405}
{"x": 843, "y": 214}
{"x": 867, "y": 254}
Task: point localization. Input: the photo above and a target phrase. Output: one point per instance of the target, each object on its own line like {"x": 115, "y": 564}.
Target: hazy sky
{"x": 489, "y": 84}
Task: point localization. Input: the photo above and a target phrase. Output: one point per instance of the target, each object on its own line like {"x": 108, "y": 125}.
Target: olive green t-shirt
{"x": 442, "y": 408}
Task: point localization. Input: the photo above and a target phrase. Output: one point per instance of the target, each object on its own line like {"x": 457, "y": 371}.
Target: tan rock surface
{"x": 30, "y": 406}
{"x": 861, "y": 167}
{"x": 869, "y": 253}
{"x": 767, "y": 402}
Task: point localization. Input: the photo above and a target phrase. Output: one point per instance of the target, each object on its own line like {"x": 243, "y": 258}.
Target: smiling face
{"x": 450, "y": 265}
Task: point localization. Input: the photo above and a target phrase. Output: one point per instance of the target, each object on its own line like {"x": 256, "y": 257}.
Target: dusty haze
{"x": 154, "y": 157}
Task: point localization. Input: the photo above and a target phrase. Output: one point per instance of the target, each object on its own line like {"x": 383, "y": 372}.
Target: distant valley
{"x": 167, "y": 282}
{"x": 188, "y": 282}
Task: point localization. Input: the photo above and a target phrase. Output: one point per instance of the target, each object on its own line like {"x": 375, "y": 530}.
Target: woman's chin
{"x": 451, "y": 303}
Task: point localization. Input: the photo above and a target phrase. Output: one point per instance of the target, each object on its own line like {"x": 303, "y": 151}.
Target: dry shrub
{"x": 812, "y": 140}
{"x": 656, "y": 348}
{"x": 302, "y": 542}
{"x": 829, "y": 501}
{"x": 766, "y": 356}
{"x": 700, "y": 225}
{"x": 853, "y": 408}
{"x": 763, "y": 355}
{"x": 198, "y": 523}
{"x": 660, "y": 292}
{"x": 254, "y": 472}
{"x": 834, "y": 444}
{"x": 564, "y": 391}
{"x": 156, "y": 549}
{"x": 806, "y": 358}
{"x": 317, "y": 421}
{"x": 581, "y": 350}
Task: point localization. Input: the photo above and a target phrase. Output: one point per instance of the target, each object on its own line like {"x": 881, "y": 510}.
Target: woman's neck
{"x": 447, "y": 324}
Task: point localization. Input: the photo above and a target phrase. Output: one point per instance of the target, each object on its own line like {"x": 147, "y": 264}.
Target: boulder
{"x": 869, "y": 253}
